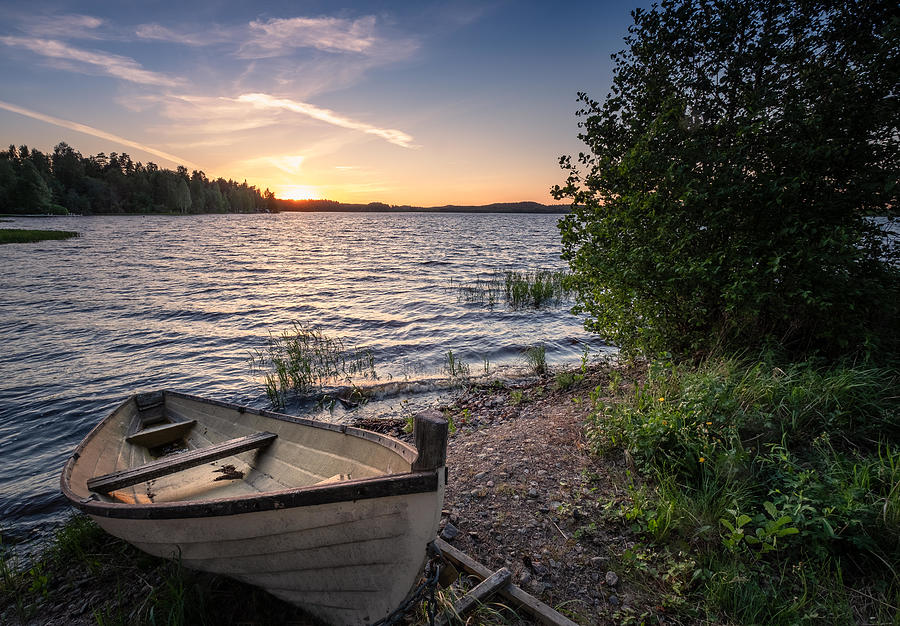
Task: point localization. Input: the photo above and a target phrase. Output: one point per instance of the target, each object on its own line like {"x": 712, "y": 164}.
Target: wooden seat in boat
{"x": 178, "y": 462}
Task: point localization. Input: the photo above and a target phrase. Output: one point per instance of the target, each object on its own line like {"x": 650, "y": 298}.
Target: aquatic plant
{"x": 517, "y": 289}
{"x": 456, "y": 369}
{"x": 303, "y": 359}
{"x": 22, "y": 235}
{"x": 536, "y": 357}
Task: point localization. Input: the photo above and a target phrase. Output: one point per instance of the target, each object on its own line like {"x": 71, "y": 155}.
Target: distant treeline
{"x": 65, "y": 181}
{"x": 497, "y": 207}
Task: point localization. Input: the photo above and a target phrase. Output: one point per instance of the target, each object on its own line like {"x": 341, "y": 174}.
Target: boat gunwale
{"x": 361, "y": 489}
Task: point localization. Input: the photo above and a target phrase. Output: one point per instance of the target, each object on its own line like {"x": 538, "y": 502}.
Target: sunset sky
{"x": 423, "y": 103}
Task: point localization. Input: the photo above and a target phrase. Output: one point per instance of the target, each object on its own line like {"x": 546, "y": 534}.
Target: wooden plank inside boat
{"x": 176, "y": 463}
{"x": 160, "y": 435}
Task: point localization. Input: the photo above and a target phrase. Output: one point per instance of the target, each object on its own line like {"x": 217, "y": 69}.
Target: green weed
{"x": 793, "y": 471}
{"x": 517, "y": 289}
{"x": 536, "y": 358}
{"x": 455, "y": 368}
{"x": 303, "y": 359}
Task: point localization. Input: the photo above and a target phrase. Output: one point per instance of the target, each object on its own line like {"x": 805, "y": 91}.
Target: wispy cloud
{"x": 287, "y": 163}
{"x": 208, "y": 36}
{"x": 95, "y": 132}
{"x": 123, "y": 68}
{"x": 275, "y": 36}
{"x": 64, "y": 26}
{"x": 265, "y": 101}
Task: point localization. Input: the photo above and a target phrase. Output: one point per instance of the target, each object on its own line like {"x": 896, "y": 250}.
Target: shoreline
{"x": 75, "y": 574}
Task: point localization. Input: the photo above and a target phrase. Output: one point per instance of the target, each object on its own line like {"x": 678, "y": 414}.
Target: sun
{"x": 297, "y": 192}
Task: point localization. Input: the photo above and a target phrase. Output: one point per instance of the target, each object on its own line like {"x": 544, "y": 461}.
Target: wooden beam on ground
{"x": 178, "y": 462}
{"x": 511, "y": 592}
{"x": 479, "y": 593}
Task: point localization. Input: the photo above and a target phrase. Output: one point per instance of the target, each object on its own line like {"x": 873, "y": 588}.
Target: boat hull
{"x": 287, "y": 518}
{"x": 346, "y": 563}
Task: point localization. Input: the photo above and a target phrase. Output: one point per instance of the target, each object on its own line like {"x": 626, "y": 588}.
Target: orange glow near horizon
{"x": 297, "y": 192}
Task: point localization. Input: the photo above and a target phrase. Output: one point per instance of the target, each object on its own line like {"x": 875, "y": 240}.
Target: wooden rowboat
{"x": 331, "y": 518}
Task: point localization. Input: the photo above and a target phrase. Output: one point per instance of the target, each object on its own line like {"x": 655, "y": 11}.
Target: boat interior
{"x": 171, "y": 447}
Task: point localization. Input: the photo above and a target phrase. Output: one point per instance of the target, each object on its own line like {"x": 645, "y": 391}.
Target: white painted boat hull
{"x": 347, "y": 551}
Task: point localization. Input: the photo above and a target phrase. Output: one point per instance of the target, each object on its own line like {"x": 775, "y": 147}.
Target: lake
{"x": 148, "y": 302}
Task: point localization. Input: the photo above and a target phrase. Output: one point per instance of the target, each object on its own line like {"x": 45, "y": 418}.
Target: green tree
{"x": 725, "y": 195}
{"x": 31, "y": 193}
{"x": 182, "y": 195}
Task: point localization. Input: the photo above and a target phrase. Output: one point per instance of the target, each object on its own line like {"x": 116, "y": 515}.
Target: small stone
{"x": 490, "y": 483}
{"x": 450, "y": 532}
{"x": 525, "y": 578}
{"x": 532, "y": 493}
{"x": 539, "y": 569}
{"x": 612, "y": 579}
{"x": 597, "y": 560}
{"x": 613, "y": 600}
{"x": 480, "y": 475}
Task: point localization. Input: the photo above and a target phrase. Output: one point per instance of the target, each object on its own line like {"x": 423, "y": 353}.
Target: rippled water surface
{"x": 144, "y": 302}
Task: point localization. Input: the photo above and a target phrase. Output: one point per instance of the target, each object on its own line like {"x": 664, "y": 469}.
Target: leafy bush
{"x": 775, "y": 465}
{"x": 723, "y": 197}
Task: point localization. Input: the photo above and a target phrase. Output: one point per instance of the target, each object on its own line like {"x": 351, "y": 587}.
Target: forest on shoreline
{"x": 64, "y": 181}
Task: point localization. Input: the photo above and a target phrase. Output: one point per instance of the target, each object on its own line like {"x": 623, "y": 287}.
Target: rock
{"x": 597, "y": 560}
{"x": 612, "y": 579}
{"x": 539, "y": 568}
{"x": 532, "y": 493}
{"x": 480, "y": 475}
{"x": 525, "y": 579}
{"x": 613, "y": 600}
{"x": 449, "y": 533}
{"x": 490, "y": 484}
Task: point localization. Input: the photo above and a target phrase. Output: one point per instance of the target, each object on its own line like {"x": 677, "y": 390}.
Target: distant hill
{"x": 497, "y": 207}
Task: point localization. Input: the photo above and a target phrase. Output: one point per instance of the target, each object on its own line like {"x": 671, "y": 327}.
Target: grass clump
{"x": 784, "y": 483}
{"x": 527, "y": 289}
{"x": 455, "y": 368}
{"x": 303, "y": 359}
{"x": 536, "y": 358}
{"x": 22, "y": 235}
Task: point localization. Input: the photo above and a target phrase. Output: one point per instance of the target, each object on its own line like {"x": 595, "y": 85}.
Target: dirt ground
{"x": 523, "y": 493}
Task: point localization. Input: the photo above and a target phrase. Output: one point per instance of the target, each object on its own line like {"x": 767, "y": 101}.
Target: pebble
{"x": 597, "y": 560}
{"x": 612, "y": 579}
{"x": 525, "y": 578}
{"x": 480, "y": 475}
{"x": 613, "y": 600}
{"x": 450, "y": 532}
{"x": 532, "y": 493}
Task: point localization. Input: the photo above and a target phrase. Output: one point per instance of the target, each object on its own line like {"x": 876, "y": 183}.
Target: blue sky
{"x": 407, "y": 103}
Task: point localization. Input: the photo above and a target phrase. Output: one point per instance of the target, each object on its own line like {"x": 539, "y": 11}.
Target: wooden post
{"x": 430, "y": 433}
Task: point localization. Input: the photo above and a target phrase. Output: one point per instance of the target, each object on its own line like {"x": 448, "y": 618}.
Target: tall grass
{"x": 787, "y": 474}
{"x": 516, "y": 289}
{"x": 304, "y": 359}
{"x": 536, "y": 358}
